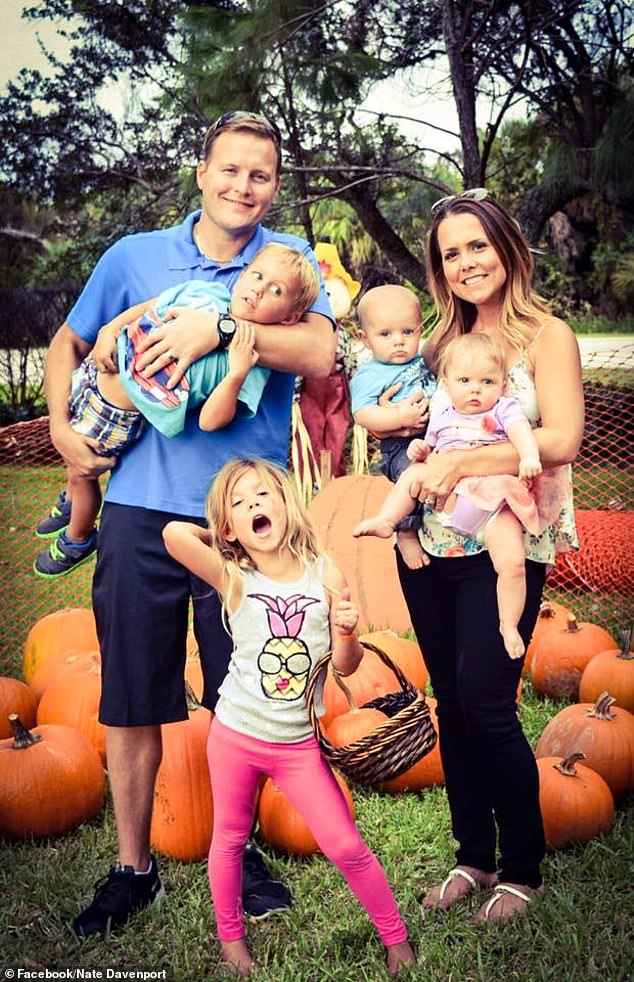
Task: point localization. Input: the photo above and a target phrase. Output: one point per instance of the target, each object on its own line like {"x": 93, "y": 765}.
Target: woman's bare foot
{"x": 458, "y": 884}
{"x": 512, "y": 640}
{"x": 507, "y": 900}
{"x": 399, "y": 956}
{"x": 236, "y": 955}
{"x": 374, "y": 526}
{"x": 411, "y": 550}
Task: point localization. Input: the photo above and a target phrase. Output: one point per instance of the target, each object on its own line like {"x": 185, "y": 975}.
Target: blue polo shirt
{"x": 174, "y": 474}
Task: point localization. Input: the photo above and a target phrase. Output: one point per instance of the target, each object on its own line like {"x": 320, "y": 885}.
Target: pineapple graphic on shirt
{"x": 284, "y": 661}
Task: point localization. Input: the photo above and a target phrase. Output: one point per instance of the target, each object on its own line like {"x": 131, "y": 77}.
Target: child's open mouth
{"x": 261, "y": 525}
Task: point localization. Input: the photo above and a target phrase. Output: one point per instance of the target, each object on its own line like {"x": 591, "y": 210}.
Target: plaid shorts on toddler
{"x": 91, "y": 414}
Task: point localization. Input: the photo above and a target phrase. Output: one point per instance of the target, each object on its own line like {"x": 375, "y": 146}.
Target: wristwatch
{"x": 226, "y": 329}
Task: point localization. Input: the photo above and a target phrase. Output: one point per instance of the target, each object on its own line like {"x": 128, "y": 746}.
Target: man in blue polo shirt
{"x": 140, "y": 595}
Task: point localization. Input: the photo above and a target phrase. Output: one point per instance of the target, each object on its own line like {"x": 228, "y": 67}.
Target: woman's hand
{"x": 413, "y": 411}
{"x": 190, "y": 335}
{"x": 434, "y": 480}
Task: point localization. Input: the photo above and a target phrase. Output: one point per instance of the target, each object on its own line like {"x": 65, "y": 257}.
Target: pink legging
{"x": 236, "y": 763}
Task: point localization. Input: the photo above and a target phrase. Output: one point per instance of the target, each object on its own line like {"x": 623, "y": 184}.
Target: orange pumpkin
{"x": 51, "y": 780}
{"x": 575, "y": 802}
{"x": 373, "y": 677}
{"x": 49, "y": 670}
{"x": 182, "y": 816}
{"x": 72, "y": 699}
{"x": 15, "y": 697}
{"x": 425, "y": 773}
{"x": 71, "y": 628}
{"x": 551, "y": 615}
{"x": 354, "y": 725}
{"x": 612, "y": 670}
{"x": 562, "y": 654}
{"x": 603, "y": 732}
{"x": 282, "y": 825}
{"x": 368, "y": 563}
{"x": 404, "y": 653}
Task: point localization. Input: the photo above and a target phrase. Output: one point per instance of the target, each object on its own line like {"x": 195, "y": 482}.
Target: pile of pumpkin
{"x": 585, "y": 754}
{"x": 52, "y": 747}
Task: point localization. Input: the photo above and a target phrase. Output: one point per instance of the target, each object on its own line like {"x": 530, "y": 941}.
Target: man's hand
{"x": 191, "y": 335}
{"x": 241, "y": 352}
{"x": 80, "y": 453}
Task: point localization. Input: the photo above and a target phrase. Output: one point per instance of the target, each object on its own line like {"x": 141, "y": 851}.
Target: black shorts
{"x": 141, "y": 604}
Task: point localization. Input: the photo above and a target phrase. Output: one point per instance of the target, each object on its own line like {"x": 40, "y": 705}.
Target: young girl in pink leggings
{"x": 286, "y": 606}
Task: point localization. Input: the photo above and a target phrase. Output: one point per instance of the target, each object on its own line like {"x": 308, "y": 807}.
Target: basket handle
{"x": 321, "y": 668}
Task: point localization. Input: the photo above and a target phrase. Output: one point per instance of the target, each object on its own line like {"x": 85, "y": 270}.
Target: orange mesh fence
{"x": 596, "y": 582}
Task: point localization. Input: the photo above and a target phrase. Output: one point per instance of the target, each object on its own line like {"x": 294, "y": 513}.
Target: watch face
{"x": 226, "y": 329}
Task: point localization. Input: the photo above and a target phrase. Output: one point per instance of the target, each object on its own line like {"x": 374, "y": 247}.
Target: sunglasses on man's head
{"x": 471, "y": 194}
{"x": 238, "y": 116}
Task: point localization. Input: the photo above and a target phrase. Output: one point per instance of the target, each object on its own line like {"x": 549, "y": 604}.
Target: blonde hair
{"x": 386, "y": 293}
{"x": 473, "y": 346}
{"x": 299, "y": 538}
{"x": 307, "y": 284}
{"x": 522, "y": 310}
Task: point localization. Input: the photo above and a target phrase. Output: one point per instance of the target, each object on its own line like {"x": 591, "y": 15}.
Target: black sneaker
{"x": 261, "y": 896}
{"x": 56, "y": 520}
{"x": 63, "y": 556}
{"x": 118, "y": 896}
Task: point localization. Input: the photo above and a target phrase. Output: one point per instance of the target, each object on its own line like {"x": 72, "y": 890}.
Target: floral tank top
{"x": 561, "y": 536}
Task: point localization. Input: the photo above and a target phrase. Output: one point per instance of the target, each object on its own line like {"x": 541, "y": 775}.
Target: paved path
{"x": 609, "y": 350}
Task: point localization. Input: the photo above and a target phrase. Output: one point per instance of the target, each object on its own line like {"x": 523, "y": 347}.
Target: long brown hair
{"x": 522, "y": 311}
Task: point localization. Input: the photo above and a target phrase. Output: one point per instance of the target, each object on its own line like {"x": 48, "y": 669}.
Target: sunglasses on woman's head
{"x": 471, "y": 194}
{"x": 238, "y": 116}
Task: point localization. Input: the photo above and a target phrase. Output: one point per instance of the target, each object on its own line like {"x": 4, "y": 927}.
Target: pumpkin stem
{"x": 602, "y": 708}
{"x": 23, "y": 738}
{"x": 626, "y": 652}
{"x": 572, "y": 625}
{"x": 546, "y": 611}
{"x": 567, "y": 766}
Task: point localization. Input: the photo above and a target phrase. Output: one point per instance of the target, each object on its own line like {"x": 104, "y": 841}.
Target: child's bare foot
{"x": 411, "y": 550}
{"x": 512, "y": 640}
{"x": 399, "y": 956}
{"x": 374, "y": 526}
{"x": 236, "y": 955}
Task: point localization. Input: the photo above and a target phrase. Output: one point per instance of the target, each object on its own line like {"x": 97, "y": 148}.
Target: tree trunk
{"x": 381, "y": 231}
{"x": 456, "y": 30}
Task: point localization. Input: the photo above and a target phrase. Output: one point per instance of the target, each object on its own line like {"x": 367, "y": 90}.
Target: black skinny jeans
{"x": 490, "y": 770}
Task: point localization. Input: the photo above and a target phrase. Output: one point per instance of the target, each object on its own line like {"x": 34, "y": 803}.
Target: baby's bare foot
{"x": 411, "y": 550}
{"x": 374, "y": 526}
{"x": 512, "y": 640}
{"x": 236, "y": 955}
{"x": 399, "y": 956}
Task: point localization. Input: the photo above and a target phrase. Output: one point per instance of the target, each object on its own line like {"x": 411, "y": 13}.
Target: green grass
{"x": 581, "y": 930}
{"x": 602, "y": 326}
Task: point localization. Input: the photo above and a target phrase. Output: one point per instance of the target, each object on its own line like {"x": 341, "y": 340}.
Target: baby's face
{"x": 474, "y": 384}
{"x": 265, "y": 292}
{"x": 393, "y": 337}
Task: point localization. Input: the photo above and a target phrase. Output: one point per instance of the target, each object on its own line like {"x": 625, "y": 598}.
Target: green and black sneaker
{"x": 63, "y": 555}
{"x": 56, "y": 520}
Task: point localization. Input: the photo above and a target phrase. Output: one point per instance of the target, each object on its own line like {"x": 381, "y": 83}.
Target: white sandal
{"x": 473, "y": 883}
{"x": 498, "y": 894}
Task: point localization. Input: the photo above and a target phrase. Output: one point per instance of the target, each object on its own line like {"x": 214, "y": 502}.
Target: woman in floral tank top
{"x": 479, "y": 270}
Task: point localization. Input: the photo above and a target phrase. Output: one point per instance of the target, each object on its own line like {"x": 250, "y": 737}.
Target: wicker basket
{"x": 394, "y": 746}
